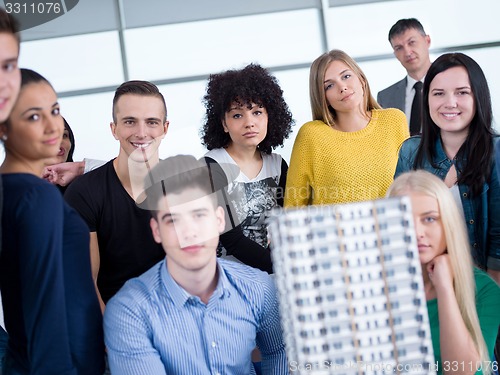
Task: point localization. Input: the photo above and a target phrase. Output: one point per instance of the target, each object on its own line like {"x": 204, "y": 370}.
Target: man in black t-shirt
{"x": 121, "y": 243}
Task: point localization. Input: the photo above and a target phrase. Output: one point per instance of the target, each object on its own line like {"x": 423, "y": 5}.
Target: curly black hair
{"x": 252, "y": 84}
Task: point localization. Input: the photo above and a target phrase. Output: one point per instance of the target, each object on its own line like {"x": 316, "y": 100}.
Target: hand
{"x": 62, "y": 174}
{"x": 441, "y": 273}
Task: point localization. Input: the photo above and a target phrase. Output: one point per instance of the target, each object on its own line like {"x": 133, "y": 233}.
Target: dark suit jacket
{"x": 393, "y": 96}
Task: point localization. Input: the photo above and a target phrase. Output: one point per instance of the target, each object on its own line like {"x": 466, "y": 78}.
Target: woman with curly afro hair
{"x": 246, "y": 118}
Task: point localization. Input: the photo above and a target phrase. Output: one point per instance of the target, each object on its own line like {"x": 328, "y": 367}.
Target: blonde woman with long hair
{"x": 462, "y": 301}
{"x": 349, "y": 151}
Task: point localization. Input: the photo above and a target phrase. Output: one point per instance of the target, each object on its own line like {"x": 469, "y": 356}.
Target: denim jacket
{"x": 482, "y": 212}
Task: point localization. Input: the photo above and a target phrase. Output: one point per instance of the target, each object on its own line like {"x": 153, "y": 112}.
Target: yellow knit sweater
{"x": 328, "y": 166}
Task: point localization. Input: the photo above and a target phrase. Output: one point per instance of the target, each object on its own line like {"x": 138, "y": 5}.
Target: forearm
{"x": 95, "y": 262}
{"x": 455, "y": 340}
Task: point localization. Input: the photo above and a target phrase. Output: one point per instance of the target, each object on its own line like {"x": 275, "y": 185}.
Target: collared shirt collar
{"x": 180, "y": 296}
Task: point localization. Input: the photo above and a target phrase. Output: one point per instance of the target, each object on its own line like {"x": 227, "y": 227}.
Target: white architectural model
{"x": 351, "y": 290}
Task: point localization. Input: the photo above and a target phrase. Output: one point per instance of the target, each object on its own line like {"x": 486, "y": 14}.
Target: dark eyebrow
{"x": 166, "y": 215}
{"x": 38, "y": 108}
{"x": 129, "y": 118}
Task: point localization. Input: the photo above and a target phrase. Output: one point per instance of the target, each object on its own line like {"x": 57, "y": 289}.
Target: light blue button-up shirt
{"x": 153, "y": 326}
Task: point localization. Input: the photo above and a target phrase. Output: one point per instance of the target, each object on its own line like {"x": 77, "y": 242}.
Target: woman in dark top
{"x": 50, "y": 305}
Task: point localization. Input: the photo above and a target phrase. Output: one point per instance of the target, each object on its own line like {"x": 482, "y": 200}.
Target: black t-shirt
{"x": 126, "y": 245}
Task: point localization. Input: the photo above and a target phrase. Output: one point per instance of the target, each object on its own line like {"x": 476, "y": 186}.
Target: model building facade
{"x": 351, "y": 290}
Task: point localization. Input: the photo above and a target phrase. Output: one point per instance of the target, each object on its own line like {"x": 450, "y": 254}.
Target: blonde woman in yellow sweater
{"x": 349, "y": 152}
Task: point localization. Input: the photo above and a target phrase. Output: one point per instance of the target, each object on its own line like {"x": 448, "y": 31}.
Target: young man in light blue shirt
{"x": 192, "y": 313}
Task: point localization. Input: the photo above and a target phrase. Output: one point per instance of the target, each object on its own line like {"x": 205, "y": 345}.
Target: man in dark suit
{"x": 411, "y": 47}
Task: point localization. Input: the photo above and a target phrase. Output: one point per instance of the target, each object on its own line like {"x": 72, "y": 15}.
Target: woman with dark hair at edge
{"x": 50, "y": 305}
{"x": 65, "y": 154}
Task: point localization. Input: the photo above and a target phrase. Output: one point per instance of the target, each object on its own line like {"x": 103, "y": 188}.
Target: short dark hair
{"x": 9, "y": 25}
{"x": 142, "y": 88}
{"x": 405, "y": 24}
{"x": 173, "y": 175}
{"x": 252, "y": 84}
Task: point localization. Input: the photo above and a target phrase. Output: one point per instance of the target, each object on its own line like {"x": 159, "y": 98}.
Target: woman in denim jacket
{"x": 457, "y": 144}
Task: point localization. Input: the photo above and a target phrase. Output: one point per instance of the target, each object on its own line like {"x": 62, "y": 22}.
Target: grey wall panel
{"x": 161, "y": 12}
{"x": 88, "y": 16}
{"x": 338, "y": 3}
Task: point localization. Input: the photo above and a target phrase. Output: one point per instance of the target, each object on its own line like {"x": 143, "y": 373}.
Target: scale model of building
{"x": 351, "y": 290}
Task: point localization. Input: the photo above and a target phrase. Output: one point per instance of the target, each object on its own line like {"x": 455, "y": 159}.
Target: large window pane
{"x": 199, "y": 48}
{"x": 362, "y": 30}
{"x": 185, "y": 113}
{"x": 160, "y": 12}
{"x": 76, "y": 62}
{"x": 383, "y": 73}
{"x": 295, "y": 85}
{"x": 89, "y": 117}
{"x": 88, "y": 16}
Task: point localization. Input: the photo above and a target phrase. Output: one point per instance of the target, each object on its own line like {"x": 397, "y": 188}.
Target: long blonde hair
{"x": 457, "y": 243}
{"x": 320, "y": 108}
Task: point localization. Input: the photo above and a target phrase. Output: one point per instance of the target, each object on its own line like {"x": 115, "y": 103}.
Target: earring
{"x": 4, "y": 137}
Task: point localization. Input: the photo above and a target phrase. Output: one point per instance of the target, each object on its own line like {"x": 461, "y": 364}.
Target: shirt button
{"x": 475, "y": 244}
{"x": 471, "y": 221}
{"x": 465, "y": 195}
{"x": 214, "y": 344}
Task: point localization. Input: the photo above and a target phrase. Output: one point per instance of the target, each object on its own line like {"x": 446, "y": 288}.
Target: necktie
{"x": 416, "y": 110}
